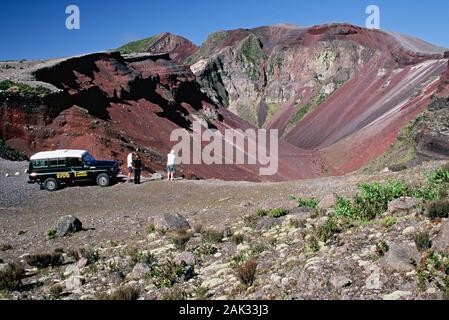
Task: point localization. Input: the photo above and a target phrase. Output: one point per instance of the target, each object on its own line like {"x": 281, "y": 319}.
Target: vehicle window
{"x": 88, "y": 159}
{"x": 75, "y": 162}
{"x": 40, "y": 163}
{"x": 57, "y": 162}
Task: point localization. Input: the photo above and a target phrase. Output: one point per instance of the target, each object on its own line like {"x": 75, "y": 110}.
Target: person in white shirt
{"x": 129, "y": 165}
{"x": 171, "y": 159}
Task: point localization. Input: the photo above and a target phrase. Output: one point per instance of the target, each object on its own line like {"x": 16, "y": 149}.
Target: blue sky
{"x": 36, "y": 29}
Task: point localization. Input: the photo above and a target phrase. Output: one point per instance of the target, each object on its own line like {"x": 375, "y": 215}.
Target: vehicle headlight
{"x": 33, "y": 174}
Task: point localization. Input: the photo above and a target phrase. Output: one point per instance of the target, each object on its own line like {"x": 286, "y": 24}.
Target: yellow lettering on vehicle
{"x": 63, "y": 175}
{"x": 80, "y": 174}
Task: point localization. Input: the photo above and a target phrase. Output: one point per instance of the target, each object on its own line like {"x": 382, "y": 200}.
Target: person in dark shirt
{"x": 137, "y": 168}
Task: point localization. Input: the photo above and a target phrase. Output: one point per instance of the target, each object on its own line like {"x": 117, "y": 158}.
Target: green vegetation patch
{"x": 310, "y": 106}
{"x": 251, "y": 49}
{"x": 373, "y": 198}
{"x": 24, "y": 90}
{"x": 311, "y": 203}
{"x": 11, "y": 153}
{"x": 138, "y": 46}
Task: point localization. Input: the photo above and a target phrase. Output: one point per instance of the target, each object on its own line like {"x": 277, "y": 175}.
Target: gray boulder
{"x": 267, "y": 223}
{"x": 227, "y": 232}
{"x": 401, "y": 206}
{"x": 373, "y": 281}
{"x": 139, "y": 271}
{"x": 327, "y": 202}
{"x": 339, "y": 282}
{"x": 401, "y": 258}
{"x": 442, "y": 242}
{"x": 74, "y": 283}
{"x": 67, "y": 225}
{"x": 188, "y": 257}
{"x": 116, "y": 277}
{"x": 3, "y": 266}
{"x": 171, "y": 222}
{"x": 72, "y": 270}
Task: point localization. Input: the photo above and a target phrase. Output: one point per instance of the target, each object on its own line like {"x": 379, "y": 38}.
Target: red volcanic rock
{"x": 110, "y": 106}
{"x": 357, "y": 87}
{"x": 179, "y": 48}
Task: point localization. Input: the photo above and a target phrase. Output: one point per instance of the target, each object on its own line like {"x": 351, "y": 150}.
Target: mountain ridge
{"x": 338, "y": 94}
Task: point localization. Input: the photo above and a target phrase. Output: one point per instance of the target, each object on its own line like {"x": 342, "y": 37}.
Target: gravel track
{"x": 14, "y": 190}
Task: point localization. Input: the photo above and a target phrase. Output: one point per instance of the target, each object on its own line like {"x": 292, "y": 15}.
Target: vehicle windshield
{"x": 88, "y": 159}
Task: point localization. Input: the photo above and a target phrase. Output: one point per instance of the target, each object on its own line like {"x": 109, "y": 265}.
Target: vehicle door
{"x": 77, "y": 169}
{"x": 59, "y": 168}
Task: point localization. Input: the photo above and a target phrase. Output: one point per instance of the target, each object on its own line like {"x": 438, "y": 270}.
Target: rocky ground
{"x": 204, "y": 239}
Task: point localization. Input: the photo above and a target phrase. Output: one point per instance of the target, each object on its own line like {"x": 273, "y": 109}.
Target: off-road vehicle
{"x": 52, "y": 169}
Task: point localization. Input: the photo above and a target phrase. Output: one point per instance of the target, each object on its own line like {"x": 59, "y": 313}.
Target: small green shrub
{"x": 11, "y": 277}
{"x": 44, "y": 260}
{"x": 277, "y": 213}
{"x": 213, "y": 236}
{"x": 141, "y": 257}
{"x": 167, "y": 274}
{"x": 56, "y": 291}
{"x": 438, "y": 209}
{"x": 175, "y": 294}
{"x": 312, "y": 243}
{"x": 371, "y": 201}
{"x": 11, "y": 153}
{"x": 273, "y": 242}
{"x": 238, "y": 239}
{"x": 251, "y": 220}
{"x": 179, "y": 239}
{"x": 124, "y": 294}
{"x": 343, "y": 207}
{"x": 5, "y": 247}
{"x": 310, "y": 203}
{"x": 261, "y": 213}
{"x": 388, "y": 222}
{"x": 437, "y": 185}
{"x": 329, "y": 230}
{"x": 434, "y": 268}
{"x": 247, "y": 272}
{"x": 201, "y": 293}
{"x": 151, "y": 229}
{"x": 51, "y": 234}
{"x": 24, "y": 89}
{"x": 440, "y": 175}
{"x": 205, "y": 250}
{"x": 382, "y": 248}
{"x": 297, "y": 223}
{"x": 423, "y": 241}
{"x": 237, "y": 260}
{"x": 256, "y": 249}
{"x": 89, "y": 253}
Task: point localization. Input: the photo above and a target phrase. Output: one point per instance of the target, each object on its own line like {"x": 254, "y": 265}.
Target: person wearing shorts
{"x": 129, "y": 165}
{"x": 171, "y": 158}
{"x": 137, "y": 167}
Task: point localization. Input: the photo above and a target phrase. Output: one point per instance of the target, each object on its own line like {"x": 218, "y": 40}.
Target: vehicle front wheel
{"x": 103, "y": 180}
{"x": 51, "y": 184}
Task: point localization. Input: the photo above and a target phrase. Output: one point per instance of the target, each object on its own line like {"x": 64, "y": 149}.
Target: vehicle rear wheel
{"x": 103, "y": 180}
{"x": 51, "y": 184}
